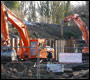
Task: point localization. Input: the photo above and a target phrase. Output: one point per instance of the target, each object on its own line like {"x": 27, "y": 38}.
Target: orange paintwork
{"x": 4, "y": 23}
{"x": 35, "y": 49}
{"x": 85, "y": 50}
{"x": 43, "y": 53}
{"x": 82, "y": 27}
{"x": 7, "y": 15}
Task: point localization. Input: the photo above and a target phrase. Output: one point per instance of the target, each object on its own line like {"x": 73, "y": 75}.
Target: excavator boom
{"x": 82, "y": 27}
{"x": 80, "y": 24}
{"x": 7, "y": 15}
{"x": 4, "y": 24}
{"x": 30, "y": 49}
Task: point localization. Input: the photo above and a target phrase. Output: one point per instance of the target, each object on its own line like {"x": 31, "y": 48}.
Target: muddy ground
{"x": 27, "y": 71}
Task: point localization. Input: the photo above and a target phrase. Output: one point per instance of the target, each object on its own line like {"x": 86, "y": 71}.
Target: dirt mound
{"x": 43, "y": 30}
{"x": 53, "y": 31}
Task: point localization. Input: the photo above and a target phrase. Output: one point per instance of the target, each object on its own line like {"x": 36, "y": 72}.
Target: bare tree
{"x": 83, "y": 11}
{"x": 40, "y": 10}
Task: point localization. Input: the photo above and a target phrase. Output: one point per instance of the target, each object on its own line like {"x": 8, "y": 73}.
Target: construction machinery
{"x": 28, "y": 47}
{"x": 84, "y": 30}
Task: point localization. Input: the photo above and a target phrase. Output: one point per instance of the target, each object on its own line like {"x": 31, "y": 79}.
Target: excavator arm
{"x": 4, "y": 25}
{"x": 82, "y": 27}
{"x": 80, "y": 24}
{"x": 7, "y": 15}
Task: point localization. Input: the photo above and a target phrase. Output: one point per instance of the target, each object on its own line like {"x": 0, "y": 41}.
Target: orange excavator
{"x": 83, "y": 28}
{"x": 28, "y": 48}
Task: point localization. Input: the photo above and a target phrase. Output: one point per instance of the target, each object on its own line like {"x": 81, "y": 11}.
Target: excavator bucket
{"x": 8, "y": 55}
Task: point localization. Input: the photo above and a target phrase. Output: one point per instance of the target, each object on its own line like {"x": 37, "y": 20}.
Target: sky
{"x": 77, "y": 3}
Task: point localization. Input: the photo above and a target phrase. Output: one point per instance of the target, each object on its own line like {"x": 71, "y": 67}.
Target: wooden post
{"x": 12, "y": 43}
{"x": 53, "y": 43}
{"x": 62, "y": 31}
{"x": 62, "y": 45}
{"x": 16, "y": 44}
{"x": 58, "y": 47}
{"x": 50, "y": 42}
{"x": 56, "y": 50}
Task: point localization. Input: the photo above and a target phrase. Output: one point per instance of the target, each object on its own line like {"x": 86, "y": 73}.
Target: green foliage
{"x": 41, "y": 8}
{"x": 58, "y": 12}
{"x": 67, "y": 9}
{"x": 47, "y": 11}
{"x": 69, "y": 34}
{"x": 12, "y": 26}
{"x": 11, "y": 4}
{"x": 46, "y": 8}
{"x": 82, "y": 9}
{"x": 54, "y": 11}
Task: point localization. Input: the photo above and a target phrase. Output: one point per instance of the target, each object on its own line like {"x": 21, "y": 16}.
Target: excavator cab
{"x": 34, "y": 48}
{"x": 28, "y": 47}
{"x": 77, "y": 20}
{"x": 79, "y": 45}
{"x": 82, "y": 45}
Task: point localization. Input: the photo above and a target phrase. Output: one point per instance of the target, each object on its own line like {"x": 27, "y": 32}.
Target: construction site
{"x": 44, "y": 49}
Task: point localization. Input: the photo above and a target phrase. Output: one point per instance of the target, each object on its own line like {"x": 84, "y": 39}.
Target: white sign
{"x": 55, "y": 67}
{"x": 70, "y": 57}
